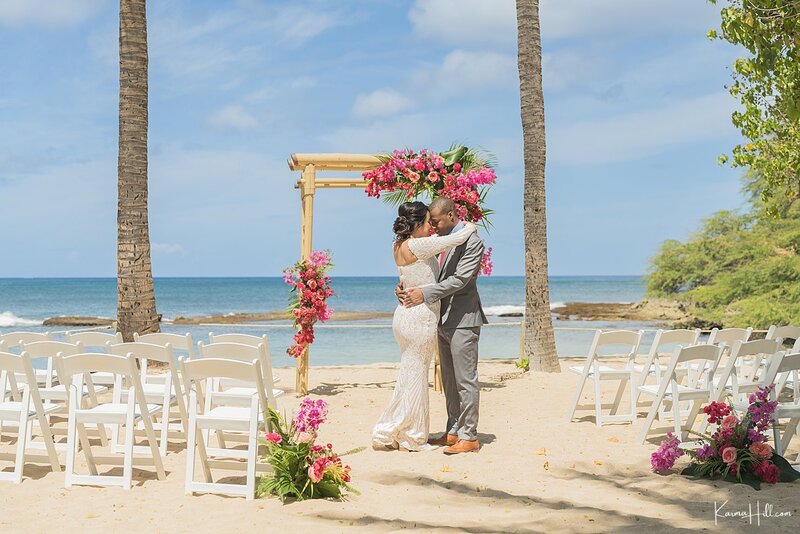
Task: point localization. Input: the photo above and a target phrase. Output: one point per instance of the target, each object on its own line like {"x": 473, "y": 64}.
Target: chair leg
{"x": 252, "y": 450}
{"x": 70, "y": 454}
{"x": 22, "y": 440}
{"x": 164, "y": 429}
{"x": 576, "y": 397}
{"x": 634, "y": 402}
{"x": 127, "y": 462}
{"x": 618, "y": 397}
{"x": 87, "y": 448}
{"x": 191, "y": 443}
{"x": 651, "y": 416}
{"x": 598, "y": 401}
{"x": 693, "y": 413}
{"x": 676, "y": 415}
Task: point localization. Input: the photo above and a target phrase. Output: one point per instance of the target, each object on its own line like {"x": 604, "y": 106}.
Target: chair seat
{"x": 59, "y": 392}
{"x": 41, "y": 376}
{"x": 244, "y": 392}
{"x": 603, "y": 370}
{"x": 683, "y": 391}
{"x": 111, "y": 408}
{"x": 9, "y": 408}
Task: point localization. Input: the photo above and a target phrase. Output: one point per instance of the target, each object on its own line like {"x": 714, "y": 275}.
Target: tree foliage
{"x": 767, "y": 84}
{"x": 740, "y": 269}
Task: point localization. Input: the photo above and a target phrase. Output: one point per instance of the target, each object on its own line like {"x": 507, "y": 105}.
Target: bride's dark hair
{"x": 409, "y": 216}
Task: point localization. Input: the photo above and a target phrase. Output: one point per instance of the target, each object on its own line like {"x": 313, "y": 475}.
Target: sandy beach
{"x": 535, "y": 473}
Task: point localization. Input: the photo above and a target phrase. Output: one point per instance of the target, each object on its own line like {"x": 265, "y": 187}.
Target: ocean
{"x": 25, "y": 303}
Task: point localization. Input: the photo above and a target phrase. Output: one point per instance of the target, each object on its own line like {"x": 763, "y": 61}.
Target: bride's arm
{"x": 427, "y": 247}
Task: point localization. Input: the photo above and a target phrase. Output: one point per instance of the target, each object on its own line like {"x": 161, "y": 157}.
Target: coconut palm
{"x": 136, "y": 303}
{"x": 539, "y": 345}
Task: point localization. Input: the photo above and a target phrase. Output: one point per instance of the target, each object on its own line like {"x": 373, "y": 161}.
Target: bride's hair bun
{"x": 409, "y": 216}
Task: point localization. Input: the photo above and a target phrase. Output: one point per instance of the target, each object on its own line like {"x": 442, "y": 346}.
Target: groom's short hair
{"x": 442, "y": 205}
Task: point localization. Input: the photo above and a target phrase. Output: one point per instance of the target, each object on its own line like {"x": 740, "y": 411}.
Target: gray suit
{"x": 459, "y": 333}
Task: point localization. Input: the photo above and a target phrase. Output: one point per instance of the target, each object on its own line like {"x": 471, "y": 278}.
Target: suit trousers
{"x": 458, "y": 358}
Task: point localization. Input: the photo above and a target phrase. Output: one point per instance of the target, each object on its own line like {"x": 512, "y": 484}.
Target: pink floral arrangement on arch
{"x": 462, "y": 174}
{"x": 737, "y": 451}
{"x": 311, "y": 288}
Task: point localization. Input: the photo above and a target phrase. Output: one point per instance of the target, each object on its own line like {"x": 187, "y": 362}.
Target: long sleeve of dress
{"x": 428, "y": 247}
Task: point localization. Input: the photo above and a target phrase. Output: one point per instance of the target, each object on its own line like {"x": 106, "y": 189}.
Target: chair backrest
{"x": 14, "y": 339}
{"x": 680, "y": 337}
{"x": 785, "y": 333}
{"x": 91, "y": 362}
{"x": 744, "y": 370}
{"x": 240, "y": 352}
{"x": 147, "y": 351}
{"x": 244, "y": 339}
{"x": 729, "y": 336}
{"x": 624, "y": 342}
{"x": 779, "y": 371}
{"x": 230, "y": 351}
{"x": 701, "y": 362}
{"x": 94, "y": 340}
{"x": 208, "y": 369}
{"x": 178, "y": 341}
{"x": 49, "y": 349}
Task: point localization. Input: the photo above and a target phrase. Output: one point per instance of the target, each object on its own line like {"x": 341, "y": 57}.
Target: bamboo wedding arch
{"x": 309, "y": 165}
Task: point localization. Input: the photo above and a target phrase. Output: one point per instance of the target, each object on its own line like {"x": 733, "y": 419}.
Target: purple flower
{"x": 761, "y": 409}
{"x": 311, "y": 415}
{"x": 754, "y": 436}
{"x": 664, "y": 457}
{"x": 704, "y": 453}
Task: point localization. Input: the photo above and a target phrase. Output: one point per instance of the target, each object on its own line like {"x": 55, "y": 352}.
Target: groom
{"x": 459, "y": 329}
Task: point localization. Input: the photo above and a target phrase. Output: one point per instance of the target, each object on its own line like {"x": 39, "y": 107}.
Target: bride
{"x": 405, "y": 422}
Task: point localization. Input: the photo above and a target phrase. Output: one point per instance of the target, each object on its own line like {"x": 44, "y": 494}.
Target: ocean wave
{"x": 505, "y": 309}
{"x": 8, "y": 319}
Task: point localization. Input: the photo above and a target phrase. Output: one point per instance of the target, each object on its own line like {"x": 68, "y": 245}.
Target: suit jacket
{"x": 456, "y": 286}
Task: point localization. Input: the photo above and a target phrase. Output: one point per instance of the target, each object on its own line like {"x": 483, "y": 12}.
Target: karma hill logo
{"x": 752, "y": 514}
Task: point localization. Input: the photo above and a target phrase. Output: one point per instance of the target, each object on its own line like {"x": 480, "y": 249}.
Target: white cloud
{"x": 465, "y": 21}
{"x": 47, "y": 12}
{"x": 462, "y": 71}
{"x": 167, "y": 248}
{"x": 640, "y": 134}
{"x": 482, "y": 22}
{"x": 380, "y": 103}
{"x": 235, "y": 117}
{"x": 415, "y": 130}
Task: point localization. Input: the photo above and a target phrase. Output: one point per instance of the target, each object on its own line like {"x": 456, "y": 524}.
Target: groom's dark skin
{"x": 443, "y": 223}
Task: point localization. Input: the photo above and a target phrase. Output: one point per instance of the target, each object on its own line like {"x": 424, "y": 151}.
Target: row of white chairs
{"x": 226, "y": 387}
{"x": 680, "y": 374}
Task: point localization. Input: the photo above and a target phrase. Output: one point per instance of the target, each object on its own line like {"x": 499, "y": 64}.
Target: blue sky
{"x": 634, "y": 93}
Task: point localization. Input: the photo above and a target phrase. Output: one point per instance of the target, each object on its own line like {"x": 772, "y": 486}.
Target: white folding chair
{"x": 245, "y": 353}
{"x": 626, "y": 340}
{"x": 786, "y": 333}
{"x": 13, "y": 342}
{"x": 165, "y": 392}
{"x": 244, "y": 339}
{"x": 788, "y": 409}
{"x": 58, "y": 394}
{"x": 664, "y": 344}
{"x": 23, "y": 412}
{"x": 729, "y": 336}
{"x": 700, "y": 362}
{"x": 96, "y": 342}
{"x": 208, "y": 412}
{"x": 114, "y": 413}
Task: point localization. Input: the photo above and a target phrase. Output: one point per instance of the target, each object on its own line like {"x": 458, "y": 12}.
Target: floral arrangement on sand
{"x": 302, "y": 469}
{"x": 311, "y": 288}
{"x": 462, "y": 174}
{"x": 737, "y": 451}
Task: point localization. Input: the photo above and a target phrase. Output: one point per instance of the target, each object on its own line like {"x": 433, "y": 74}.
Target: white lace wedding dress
{"x": 406, "y": 420}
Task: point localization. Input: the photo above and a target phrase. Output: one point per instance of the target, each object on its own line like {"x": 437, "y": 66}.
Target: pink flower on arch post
{"x": 274, "y": 437}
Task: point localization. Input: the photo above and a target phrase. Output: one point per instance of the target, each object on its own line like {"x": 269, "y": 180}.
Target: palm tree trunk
{"x": 540, "y": 346}
{"x": 136, "y": 303}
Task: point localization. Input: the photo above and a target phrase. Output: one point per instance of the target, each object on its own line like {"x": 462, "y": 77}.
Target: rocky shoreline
{"x": 664, "y": 312}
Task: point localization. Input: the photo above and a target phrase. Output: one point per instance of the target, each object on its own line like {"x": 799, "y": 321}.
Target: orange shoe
{"x": 463, "y": 445}
{"x": 445, "y": 440}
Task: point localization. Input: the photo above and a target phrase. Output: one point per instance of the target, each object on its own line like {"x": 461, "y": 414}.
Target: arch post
{"x": 308, "y": 187}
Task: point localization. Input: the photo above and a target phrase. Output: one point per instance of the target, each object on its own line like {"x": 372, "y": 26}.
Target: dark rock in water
{"x": 78, "y": 321}
{"x": 510, "y": 314}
